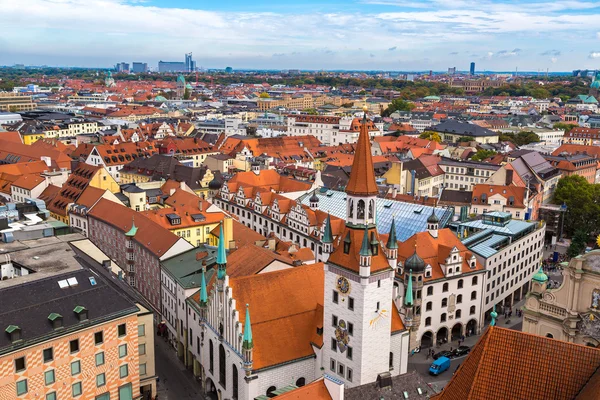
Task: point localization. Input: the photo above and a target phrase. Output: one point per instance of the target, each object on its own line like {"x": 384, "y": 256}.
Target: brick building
{"x": 136, "y": 243}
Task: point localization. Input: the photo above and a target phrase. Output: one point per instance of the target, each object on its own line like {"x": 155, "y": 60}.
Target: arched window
{"x": 360, "y": 212}
{"x": 222, "y": 373}
{"x": 445, "y": 302}
{"x": 474, "y": 281}
{"x": 428, "y": 321}
{"x": 458, "y": 314}
{"x": 234, "y": 381}
{"x": 428, "y": 306}
{"x": 460, "y": 283}
{"x": 351, "y": 213}
{"x": 430, "y": 291}
{"x": 472, "y": 310}
{"x": 270, "y": 391}
{"x": 301, "y": 382}
{"x": 549, "y": 335}
{"x": 371, "y": 204}
{"x": 445, "y": 287}
{"x": 473, "y": 295}
{"x": 211, "y": 357}
{"x": 443, "y": 317}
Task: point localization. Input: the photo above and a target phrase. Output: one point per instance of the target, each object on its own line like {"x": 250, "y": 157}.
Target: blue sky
{"x": 313, "y": 34}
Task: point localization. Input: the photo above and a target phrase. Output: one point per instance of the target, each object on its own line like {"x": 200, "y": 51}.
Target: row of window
{"x": 76, "y": 388}
{"x": 341, "y": 370}
{"x": 457, "y": 315}
{"x": 336, "y": 299}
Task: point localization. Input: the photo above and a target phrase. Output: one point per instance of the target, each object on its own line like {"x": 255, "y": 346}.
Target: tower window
{"x": 335, "y": 297}
{"x": 351, "y": 303}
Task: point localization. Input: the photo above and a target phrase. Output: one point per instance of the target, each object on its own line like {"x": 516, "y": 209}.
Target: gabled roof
{"x": 351, "y": 259}
{"x": 508, "y": 364}
{"x": 313, "y": 391}
{"x": 251, "y": 259}
{"x": 434, "y": 251}
{"x": 150, "y": 235}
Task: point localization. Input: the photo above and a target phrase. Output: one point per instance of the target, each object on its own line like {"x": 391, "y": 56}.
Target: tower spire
{"x": 362, "y": 177}
{"x": 221, "y": 259}
{"x": 203, "y": 291}
{"x": 392, "y": 242}
{"x": 408, "y": 297}
{"x": 247, "y": 343}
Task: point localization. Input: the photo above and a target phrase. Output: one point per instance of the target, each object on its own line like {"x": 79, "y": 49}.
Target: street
{"x": 175, "y": 382}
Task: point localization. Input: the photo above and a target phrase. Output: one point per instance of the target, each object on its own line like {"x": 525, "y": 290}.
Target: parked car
{"x": 440, "y": 365}
{"x": 461, "y": 351}
{"x": 443, "y": 353}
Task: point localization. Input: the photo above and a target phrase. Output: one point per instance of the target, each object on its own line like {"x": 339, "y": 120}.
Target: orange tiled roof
{"x": 313, "y": 391}
{"x": 507, "y": 364}
{"x": 517, "y": 192}
{"x": 251, "y": 259}
{"x": 283, "y": 305}
{"x": 78, "y": 181}
{"x": 362, "y": 178}
{"x": 149, "y": 234}
{"x": 435, "y": 251}
{"x": 351, "y": 260}
{"x": 28, "y": 181}
{"x": 267, "y": 179}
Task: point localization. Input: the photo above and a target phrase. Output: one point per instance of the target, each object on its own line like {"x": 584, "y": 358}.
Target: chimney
{"x": 200, "y": 205}
{"x": 394, "y": 193}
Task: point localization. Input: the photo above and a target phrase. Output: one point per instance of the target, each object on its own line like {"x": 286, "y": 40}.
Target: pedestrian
{"x": 450, "y": 348}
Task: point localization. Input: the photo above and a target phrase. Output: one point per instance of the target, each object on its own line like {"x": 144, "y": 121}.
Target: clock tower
{"x": 358, "y": 284}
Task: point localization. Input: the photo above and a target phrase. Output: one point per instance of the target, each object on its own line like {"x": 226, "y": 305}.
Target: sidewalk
{"x": 513, "y": 323}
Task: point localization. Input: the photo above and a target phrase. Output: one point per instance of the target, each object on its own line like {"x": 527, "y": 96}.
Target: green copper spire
{"x": 133, "y": 230}
{"x": 327, "y": 235}
{"x": 221, "y": 255}
{"x": 392, "y": 242}
{"x": 540, "y": 276}
{"x": 203, "y": 291}
{"x": 365, "y": 249}
{"x": 408, "y": 298}
{"x": 247, "y": 343}
{"x": 494, "y": 315}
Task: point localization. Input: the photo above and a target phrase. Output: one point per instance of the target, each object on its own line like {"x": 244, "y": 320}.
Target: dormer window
{"x": 82, "y": 313}
{"x": 56, "y": 320}
{"x": 14, "y": 332}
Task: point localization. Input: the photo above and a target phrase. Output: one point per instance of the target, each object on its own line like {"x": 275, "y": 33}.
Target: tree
{"x": 520, "y": 139}
{"x": 186, "y": 94}
{"x": 565, "y": 126}
{"x": 463, "y": 139}
{"x": 430, "y": 135}
{"x": 311, "y": 111}
{"x": 583, "y": 203}
{"x": 578, "y": 244}
{"x": 482, "y": 154}
{"x": 397, "y": 105}
{"x": 264, "y": 95}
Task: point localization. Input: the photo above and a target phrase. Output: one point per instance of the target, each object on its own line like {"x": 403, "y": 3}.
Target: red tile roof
{"x": 150, "y": 235}
{"x": 507, "y": 364}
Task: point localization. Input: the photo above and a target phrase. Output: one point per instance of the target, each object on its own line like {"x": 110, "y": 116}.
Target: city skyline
{"x": 361, "y": 35}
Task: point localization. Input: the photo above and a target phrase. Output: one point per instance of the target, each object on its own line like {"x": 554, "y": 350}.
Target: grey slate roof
{"x": 409, "y": 383}
{"x": 462, "y": 128}
{"x": 29, "y": 305}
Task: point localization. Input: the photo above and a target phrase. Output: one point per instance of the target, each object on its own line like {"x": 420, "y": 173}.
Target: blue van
{"x": 439, "y": 366}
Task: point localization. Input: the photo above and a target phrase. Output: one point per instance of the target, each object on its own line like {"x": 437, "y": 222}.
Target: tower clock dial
{"x": 343, "y": 285}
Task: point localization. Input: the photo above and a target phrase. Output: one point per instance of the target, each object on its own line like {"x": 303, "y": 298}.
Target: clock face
{"x": 343, "y": 285}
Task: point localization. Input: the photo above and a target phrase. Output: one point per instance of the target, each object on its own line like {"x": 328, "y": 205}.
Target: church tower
{"x": 358, "y": 283}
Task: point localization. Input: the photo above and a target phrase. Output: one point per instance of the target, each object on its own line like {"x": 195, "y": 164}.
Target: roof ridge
{"x": 486, "y": 335}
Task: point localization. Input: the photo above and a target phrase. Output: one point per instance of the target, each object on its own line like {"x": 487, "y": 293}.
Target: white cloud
{"x": 595, "y": 54}
{"x": 135, "y": 28}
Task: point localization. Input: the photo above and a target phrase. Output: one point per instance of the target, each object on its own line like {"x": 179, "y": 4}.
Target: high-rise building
{"x": 122, "y": 67}
{"x": 472, "y": 70}
{"x": 139, "y": 67}
{"x": 188, "y": 65}
{"x": 451, "y": 71}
